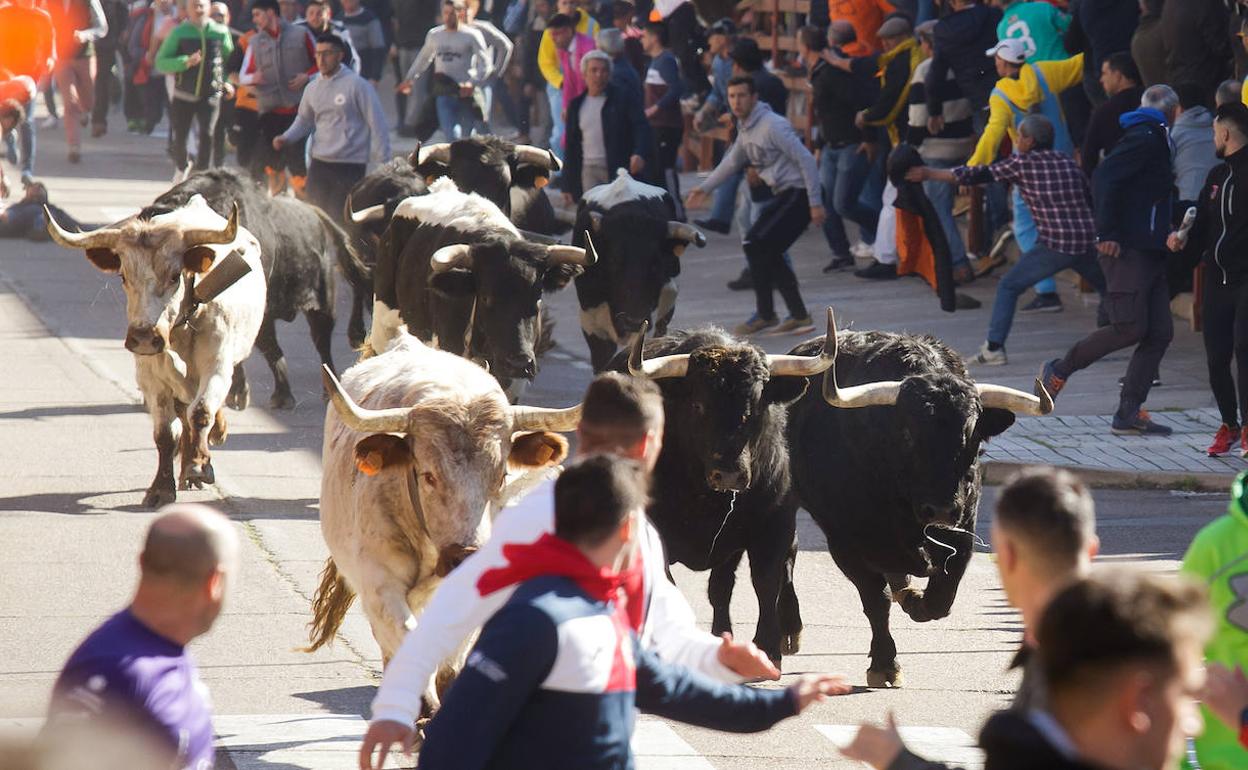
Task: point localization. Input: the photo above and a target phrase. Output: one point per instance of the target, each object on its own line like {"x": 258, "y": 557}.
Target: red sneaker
{"x": 1225, "y": 439}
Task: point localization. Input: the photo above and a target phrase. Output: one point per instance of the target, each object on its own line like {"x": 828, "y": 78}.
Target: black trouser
{"x": 225, "y": 119}
{"x": 290, "y": 157}
{"x": 247, "y": 142}
{"x": 663, "y": 165}
{"x": 1225, "y": 311}
{"x": 181, "y": 114}
{"x": 780, "y": 223}
{"x": 329, "y": 183}
{"x": 1137, "y": 302}
{"x": 105, "y": 80}
{"x": 155, "y": 97}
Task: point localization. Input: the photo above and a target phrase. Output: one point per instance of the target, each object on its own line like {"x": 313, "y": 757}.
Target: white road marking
{"x": 937, "y": 744}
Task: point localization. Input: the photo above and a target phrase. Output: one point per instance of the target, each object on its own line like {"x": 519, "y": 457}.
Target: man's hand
{"x": 751, "y": 177}
{"x": 1226, "y": 693}
{"x": 935, "y": 124}
{"x": 4, "y": 193}
{"x": 635, "y": 164}
{"x": 815, "y": 688}
{"x": 404, "y": 87}
{"x": 194, "y": 58}
{"x": 695, "y": 199}
{"x": 745, "y": 659}
{"x": 279, "y": 142}
{"x": 228, "y": 90}
{"x": 299, "y": 81}
{"x": 1109, "y": 248}
{"x": 465, "y": 90}
{"x": 725, "y": 120}
{"x": 876, "y": 746}
{"x": 1175, "y": 243}
{"x": 652, "y": 110}
{"x": 568, "y": 200}
{"x": 393, "y": 53}
{"x": 384, "y": 734}
{"x": 817, "y": 215}
{"x": 917, "y": 174}
{"x": 860, "y": 119}
{"x": 868, "y": 149}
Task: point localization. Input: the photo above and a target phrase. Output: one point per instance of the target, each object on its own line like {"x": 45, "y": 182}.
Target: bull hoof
{"x": 158, "y": 497}
{"x": 239, "y": 399}
{"x": 282, "y": 401}
{"x": 198, "y": 475}
{"x": 911, "y": 601}
{"x": 791, "y": 644}
{"x": 219, "y": 432}
{"x": 886, "y": 679}
{"x": 355, "y": 337}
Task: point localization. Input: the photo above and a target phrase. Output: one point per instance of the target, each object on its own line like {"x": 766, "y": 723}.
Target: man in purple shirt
{"x": 132, "y": 681}
{"x": 1056, "y": 192}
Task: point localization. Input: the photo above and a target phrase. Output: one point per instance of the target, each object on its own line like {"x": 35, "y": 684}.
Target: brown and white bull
{"x": 186, "y": 341}
{"x": 418, "y": 446}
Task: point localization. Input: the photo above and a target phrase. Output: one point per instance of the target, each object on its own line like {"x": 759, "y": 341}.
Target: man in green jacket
{"x": 195, "y": 53}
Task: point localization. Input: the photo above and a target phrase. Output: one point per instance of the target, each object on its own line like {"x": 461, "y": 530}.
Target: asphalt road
{"x": 76, "y": 454}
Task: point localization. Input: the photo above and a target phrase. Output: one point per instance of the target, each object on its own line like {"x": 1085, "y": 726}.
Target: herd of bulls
{"x": 877, "y": 435}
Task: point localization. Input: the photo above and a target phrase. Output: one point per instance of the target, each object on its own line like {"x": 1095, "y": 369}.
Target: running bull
{"x": 640, "y": 245}
{"x": 454, "y": 269}
{"x": 721, "y": 486}
{"x": 186, "y": 338}
{"x": 897, "y": 490}
{"x": 418, "y": 444}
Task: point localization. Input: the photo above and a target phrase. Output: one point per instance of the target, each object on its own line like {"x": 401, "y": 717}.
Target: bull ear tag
{"x": 541, "y": 182}
{"x": 679, "y": 249}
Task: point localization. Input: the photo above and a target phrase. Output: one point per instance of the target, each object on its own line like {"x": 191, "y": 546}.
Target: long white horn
{"x": 655, "y": 368}
{"x": 683, "y": 231}
{"x": 450, "y": 257}
{"x": 807, "y": 366}
{"x": 370, "y": 214}
{"x": 538, "y": 156}
{"x": 540, "y": 418}
{"x": 211, "y": 236}
{"x": 440, "y": 152}
{"x": 103, "y": 238}
{"x": 573, "y": 255}
{"x": 358, "y": 418}
{"x": 855, "y": 396}
{"x": 1001, "y": 397}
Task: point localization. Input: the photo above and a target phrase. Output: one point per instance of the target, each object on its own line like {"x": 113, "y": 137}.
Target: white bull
{"x": 418, "y": 443}
{"x": 190, "y": 319}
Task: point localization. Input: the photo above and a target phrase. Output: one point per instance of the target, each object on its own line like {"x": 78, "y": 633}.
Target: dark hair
{"x": 559, "y": 21}
{"x": 1117, "y": 618}
{"x": 1190, "y": 95}
{"x": 13, "y": 109}
{"x": 622, "y": 9}
{"x": 659, "y": 30}
{"x": 1236, "y": 115}
{"x": 594, "y": 496}
{"x": 742, "y": 80}
{"x": 332, "y": 39}
{"x": 1122, "y": 63}
{"x": 266, "y": 5}
{"x": 1228, "y": 92}
{"x": 813, "y": 38}
{"x": 1050, "y": 510}
{"x": 618, "y": 410}
{"x": 746, "y": 53}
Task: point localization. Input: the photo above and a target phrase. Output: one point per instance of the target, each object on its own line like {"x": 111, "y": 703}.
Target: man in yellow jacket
{"x": 548, "y": 64}
{"x": 1022, "y": 89}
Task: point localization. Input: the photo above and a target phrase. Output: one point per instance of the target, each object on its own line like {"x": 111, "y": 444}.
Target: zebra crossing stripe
{"x": 948, "y": 745}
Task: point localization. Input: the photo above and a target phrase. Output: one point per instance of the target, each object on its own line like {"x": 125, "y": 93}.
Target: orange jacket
{"x": 866, "y": 16}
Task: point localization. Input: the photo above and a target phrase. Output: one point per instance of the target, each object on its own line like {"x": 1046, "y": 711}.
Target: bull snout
{"x": 144, "y": 340}
{"x": 522, "y": 366}
{"x": 938, "y": 513}
{"x": 451, "y": 557}
{"x": 728, "y": 479}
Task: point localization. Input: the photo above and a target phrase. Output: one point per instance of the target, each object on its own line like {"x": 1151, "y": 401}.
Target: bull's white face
{"x": 456, "y": 488}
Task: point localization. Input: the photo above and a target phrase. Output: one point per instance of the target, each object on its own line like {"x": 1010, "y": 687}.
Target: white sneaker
{"x": 862, "y": 250}
{"x": 986, "y": 357}
{"x": 50, "y": 121}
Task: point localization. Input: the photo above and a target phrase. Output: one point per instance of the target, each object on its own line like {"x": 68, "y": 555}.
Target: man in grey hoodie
{"x": 1192, "y": 135}
{"x": 791, "y": 197}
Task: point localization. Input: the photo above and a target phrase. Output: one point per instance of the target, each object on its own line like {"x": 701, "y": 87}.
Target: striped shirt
{"x": 1053, "y": 188}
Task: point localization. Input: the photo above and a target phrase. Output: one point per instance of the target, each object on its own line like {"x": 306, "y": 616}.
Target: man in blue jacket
{"x": 1133, "y": 195}
{"x": 557, "y": 675}
{"x": 605, "y": 131}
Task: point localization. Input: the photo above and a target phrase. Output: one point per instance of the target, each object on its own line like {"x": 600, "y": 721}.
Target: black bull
{"x": 896, "y": 489}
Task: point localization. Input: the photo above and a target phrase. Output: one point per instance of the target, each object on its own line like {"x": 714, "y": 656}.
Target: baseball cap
{"x": 1010, "y": 49}
{"x": 723, "y": 27}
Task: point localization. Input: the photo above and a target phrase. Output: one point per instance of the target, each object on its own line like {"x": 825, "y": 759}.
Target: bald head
{"x": 187, "y": 544}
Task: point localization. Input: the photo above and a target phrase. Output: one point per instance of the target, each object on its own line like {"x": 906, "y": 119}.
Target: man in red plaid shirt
{"x": 1057, "y": 194}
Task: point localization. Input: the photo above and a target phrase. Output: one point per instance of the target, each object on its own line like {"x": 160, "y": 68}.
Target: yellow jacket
{"x": 1024, "y": 92}
{"x": 548, "y": 59}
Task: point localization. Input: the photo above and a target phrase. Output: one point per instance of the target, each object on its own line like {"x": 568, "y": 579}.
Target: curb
{"x": 996, "y": 472}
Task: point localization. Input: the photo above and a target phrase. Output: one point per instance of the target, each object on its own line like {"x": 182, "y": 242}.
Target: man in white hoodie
{"x": 621, "y": 415}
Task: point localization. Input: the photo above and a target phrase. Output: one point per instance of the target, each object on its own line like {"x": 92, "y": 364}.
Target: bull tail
{"x": 358, "y": 274}
{"x": 329, "y": 607}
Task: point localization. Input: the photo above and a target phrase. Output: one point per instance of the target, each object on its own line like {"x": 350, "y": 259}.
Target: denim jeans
{"x": 453, "y": 117}
{"x": 1028, "y": 237}
{"x": 1039, "y": 263}
{"x": 555, "y": 97}
{"x": 843, "y": 175}
{"x": 724, "y": 200}
{"x": 941, "y": 195}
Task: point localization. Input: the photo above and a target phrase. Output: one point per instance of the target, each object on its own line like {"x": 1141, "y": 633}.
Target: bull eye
{"x": 699, "y": 409}
{"x": 429, "y": 479}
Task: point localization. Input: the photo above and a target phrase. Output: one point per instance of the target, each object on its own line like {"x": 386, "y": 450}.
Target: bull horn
{"x": 595, "y": 220}
{"x": 807, "y": 366}
{"x": 358, "y": 418}
{"x": 655, "y": 368}
{"x": 882, "y": 393}
{"x": 441, "y": 152}
{"x": 103, "y": 238}
{"x": 527, "y": 153}
{"x": 1001, "y": 397}
{"x": 573, "y": 255}
{"x": 525, "y": 418}
{"x": 682, "y": 231}
{"x": 370, "y": 214}
{"x": 450, "y": 257}
{"x": 205, "y": 236}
